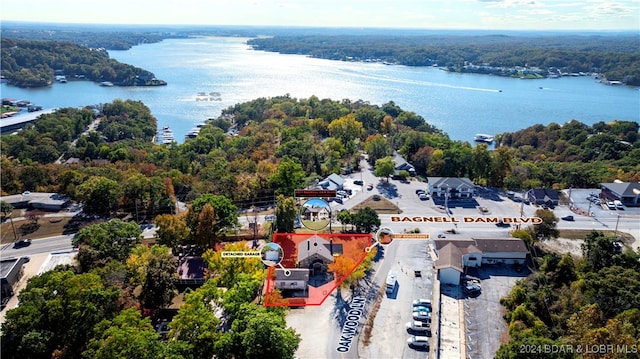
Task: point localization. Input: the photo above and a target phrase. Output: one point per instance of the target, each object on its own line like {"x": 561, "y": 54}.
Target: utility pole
{"x": 15, "y": 234}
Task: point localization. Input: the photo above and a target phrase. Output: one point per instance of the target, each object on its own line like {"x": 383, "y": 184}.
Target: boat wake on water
{"x": 418, "y": 83}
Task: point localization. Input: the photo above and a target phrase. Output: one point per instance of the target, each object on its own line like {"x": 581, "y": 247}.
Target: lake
{"x": 207, "y": 75}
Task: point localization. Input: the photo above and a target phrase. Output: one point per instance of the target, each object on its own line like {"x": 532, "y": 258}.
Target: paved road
{"x": 60, "y": 243}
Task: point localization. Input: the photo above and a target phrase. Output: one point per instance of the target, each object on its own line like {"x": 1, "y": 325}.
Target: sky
{"x": 420, "y": 14}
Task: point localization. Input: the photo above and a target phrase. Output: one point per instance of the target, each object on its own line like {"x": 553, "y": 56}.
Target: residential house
{"x": 402, "y": 165}
{"x": 333, "y": 182}
{"x": 540, "y": 196}
{"x": 455, "y": 187}
{"x": 314, "y": 256}
{"x": 297, "y": 279}
{"x": 316, "y": 253}
{"x": 316, "y": 213}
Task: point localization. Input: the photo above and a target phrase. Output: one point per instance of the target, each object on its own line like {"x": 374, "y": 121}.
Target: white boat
{"x": 167, "y": 136}
{"x": 193, "y": 133}
{"x": 481, "y": 137}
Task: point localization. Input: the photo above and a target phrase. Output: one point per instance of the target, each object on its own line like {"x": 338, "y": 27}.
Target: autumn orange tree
{"x": 341, "y": 267}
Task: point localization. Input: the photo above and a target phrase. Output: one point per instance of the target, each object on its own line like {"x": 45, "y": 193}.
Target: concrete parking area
{"x": 483, "y": 314}
{"x": 449, "y": 338}
{"x": 389, "y": 335}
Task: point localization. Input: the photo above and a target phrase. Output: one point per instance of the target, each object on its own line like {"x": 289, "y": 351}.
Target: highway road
{"x": 54, "y": 244}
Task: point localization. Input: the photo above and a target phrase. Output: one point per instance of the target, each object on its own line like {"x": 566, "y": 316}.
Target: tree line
{"x": 616, "y": 57}
{"x": 284, "y": 143}
{"x": 572, "y": 307}
{"x": 27, "y": 63}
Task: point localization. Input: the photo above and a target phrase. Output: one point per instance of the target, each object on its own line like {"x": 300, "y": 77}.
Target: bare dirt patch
{"x": 381, "y": 206}
{"x": 570, "y": 241}
{"x": 581, "y": 233}
{"x": 562, "y": 246}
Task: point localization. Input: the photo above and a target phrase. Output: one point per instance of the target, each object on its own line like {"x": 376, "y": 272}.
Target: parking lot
{"x": 483, "y": 314}
{"x": 389, "y": 335}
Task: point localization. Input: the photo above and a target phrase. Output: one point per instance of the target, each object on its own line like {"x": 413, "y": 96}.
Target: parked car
{"x": 567, "y": 218}
{"x": 369, "y": 186}
{"x": 421, "y": 308}
{"x": 358, "y": 183}
{"x": 418, "y": 326}
{"x": 422, "y": 316}
{"x": 21, "y": 243}
{"x": 472, "y": 289}
{"x": 618, "y": 204}
{"x": 376, "y": 197}
{"x": 423, "y": 197}
{"x": 422, "y": 302}
{"x": 417, "y": 341}
{"x": 420, "y": 191}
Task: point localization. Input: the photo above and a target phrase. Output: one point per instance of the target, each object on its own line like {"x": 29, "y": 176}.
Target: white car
{"x": 418, "y": 326}
{"x": 418, "y": 342}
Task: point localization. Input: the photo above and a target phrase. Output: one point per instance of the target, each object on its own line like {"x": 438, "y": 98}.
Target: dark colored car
{"x": 358, "y": 182}
{"x": 21, "y": 243}
{"x": 472, "y": 289}
{"x": 567, "y": 218}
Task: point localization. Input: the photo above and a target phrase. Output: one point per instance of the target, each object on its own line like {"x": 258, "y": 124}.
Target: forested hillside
{"x": 308, "y": 139}
{"x": 577, "y": 308}
{"x": 573, "y": 154}
{"x": 36, "y": 63}
{"x": 617, "y": 57}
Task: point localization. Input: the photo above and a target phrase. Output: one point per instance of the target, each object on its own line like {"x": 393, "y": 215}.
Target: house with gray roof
{"x": 333, "y": 182}
{"x": 402, "y": 165}
{"x": 38, "y": 200}
{"x": 546, "y": 196}
{"x": 626, "y": 192}
{"x": 316, "y": 253}
{"x": 456, "y": 187}
{"x": 454, "y": 256}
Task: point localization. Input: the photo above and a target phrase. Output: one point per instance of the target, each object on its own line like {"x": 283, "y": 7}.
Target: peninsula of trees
{"x": 615, "y": 57}
{"x": 36, "y": 63}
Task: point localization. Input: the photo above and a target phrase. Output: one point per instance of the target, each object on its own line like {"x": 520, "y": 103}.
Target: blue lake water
{"x": 206, "y": 75}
